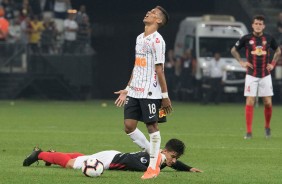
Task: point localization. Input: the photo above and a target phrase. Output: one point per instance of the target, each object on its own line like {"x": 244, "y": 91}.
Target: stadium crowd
{"x": 45, "y": 26}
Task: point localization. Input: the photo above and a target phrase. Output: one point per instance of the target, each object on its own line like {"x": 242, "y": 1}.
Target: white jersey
{"x": 149, "y": 51}
{"x": 105, "y": 157}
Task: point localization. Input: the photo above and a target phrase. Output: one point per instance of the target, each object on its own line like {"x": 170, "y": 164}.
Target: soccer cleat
{"x": 248, "y": 136}
{"x": 153, "y": 173}
{"x": 33, "y": 157}
{"x": 48, "y": 163}
{"x": 267, "y": 133}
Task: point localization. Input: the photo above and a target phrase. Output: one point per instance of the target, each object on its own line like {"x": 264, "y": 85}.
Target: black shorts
{"x": 146, "y": 110}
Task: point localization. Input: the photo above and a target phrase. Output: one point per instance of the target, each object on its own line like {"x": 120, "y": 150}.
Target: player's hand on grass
{"x": 246, "y": 64}
{"x": 166, "y": 105}
{"x": 195, "y": 170}
{"x": 121, "y": 98}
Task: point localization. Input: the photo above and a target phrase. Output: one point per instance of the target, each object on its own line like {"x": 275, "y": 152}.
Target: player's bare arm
{"x": 166, "y": 103}
{"x": 120, "y": 101}
{"x": 270, "y": 66}
{"x": 195, "y": 170}
{"x": 237, "y": 56}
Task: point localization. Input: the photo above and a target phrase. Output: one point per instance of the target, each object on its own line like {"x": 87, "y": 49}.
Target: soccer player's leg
{"x": 251, "y": 87}
{"x": 266, "y": 92}
{"x": 133, "y": 113}
{"x": 150, "y": 111}
{"x": 57, "y": 158}
{"x": 155, "y": 156}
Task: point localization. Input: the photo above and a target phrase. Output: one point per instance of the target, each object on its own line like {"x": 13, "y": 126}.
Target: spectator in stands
{"x": 169, "y": 69}
{"x": 25, "y": 10}
{"x": 279, "y": 29}
{"x": 4, "y": 26}
{"x": 81, "y": 14}
{"x": 35, "y": 8}
{"x": 4, "y": 32}
{"x": 36, "y": 28}
{"x": 70, "y": 33}
{"x": 177, "y": 74}
{"x": 61, "y": 8}
{"x": 215, "y": 81}
{"x": 187, "y": 74}
{"x": 8, "y": 6}
{"x": 48, "y": 37}
{"x": 83, "y": 34}
{"x": 25, "y": 30}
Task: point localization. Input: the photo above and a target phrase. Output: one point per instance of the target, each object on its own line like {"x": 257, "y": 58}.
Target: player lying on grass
{"x": 115, "y": 160}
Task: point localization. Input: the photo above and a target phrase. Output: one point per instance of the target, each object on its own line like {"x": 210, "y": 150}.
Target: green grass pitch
{"x": 213, "y": 135}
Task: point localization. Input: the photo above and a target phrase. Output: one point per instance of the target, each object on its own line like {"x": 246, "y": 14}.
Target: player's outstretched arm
{"x": 121, "y": 98}
{"x": 180, "y": 166}
{"x": 195, "y": 170}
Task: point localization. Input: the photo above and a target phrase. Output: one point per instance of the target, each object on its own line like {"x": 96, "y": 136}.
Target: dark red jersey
{"x": 257, "y": 52}
{"x": 139, "y": 161}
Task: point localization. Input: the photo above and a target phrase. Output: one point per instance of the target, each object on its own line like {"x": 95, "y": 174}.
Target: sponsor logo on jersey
{"x": 140, "y": 61}
{"x": 155, "y": 83}
{"x": 138, "y": 89}
{"x": 259, "y": 51}
{"x": 143, "y": 160}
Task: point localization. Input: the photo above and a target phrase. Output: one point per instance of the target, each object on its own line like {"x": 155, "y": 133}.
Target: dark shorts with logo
{"x": 145, "y": 110}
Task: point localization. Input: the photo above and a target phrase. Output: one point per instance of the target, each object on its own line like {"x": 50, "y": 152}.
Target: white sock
{"x": 155, "y": 143}
{"x": 139, "y": 138}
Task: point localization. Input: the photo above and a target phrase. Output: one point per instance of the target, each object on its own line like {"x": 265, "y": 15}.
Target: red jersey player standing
{"x": 258, "y": 80}
{"x": 146, "y": 92}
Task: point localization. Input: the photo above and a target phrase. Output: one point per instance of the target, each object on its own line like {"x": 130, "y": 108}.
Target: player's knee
{"x": 129, "y": 126}
{"x": 250, "y": 101}
{"x": 267, "y": 102}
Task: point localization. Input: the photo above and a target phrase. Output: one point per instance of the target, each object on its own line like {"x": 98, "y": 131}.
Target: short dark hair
{"x": 165, "y": 14}
{"x": 175, "y": 145}
{"x": 259, "y": 17}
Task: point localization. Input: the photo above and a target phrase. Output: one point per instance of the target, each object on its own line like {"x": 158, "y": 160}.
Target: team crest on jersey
{"x": 251, "y": 42}
{"x": 264, "y": 42}
{"x": 259, "y": 51}
{"x": 158, "y": 40}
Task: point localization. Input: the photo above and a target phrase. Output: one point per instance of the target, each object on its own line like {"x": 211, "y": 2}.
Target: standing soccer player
{"x": 146, "y": 95}
{"x": 258, "y": 79}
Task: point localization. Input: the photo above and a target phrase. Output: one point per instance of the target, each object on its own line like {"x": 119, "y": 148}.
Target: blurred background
{"x": 81, "y": 50}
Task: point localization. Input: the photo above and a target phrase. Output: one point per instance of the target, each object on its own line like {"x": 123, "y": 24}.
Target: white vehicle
{"x": 209, "y": 34}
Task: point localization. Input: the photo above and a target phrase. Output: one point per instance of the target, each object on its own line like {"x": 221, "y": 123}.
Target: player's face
{"x": 258, "y": 26}
{"x": 152, "y": 16}
{"x": 171, "y": 157}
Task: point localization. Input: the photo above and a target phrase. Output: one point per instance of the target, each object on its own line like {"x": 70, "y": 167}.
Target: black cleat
{"x": 48, "y": 163}
{"x": 267, "y": 133}
{"x": 248, "y": 136}
{"x": 33, "y": 157}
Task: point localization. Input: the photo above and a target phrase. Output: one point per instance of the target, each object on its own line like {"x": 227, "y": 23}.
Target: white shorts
{"x": 104, "y": 156}
{"x": 260, "y": 87}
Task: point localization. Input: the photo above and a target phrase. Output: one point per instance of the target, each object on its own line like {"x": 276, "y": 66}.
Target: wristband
{"x": 127, "y": 88}
{"x": 165, "y": 95}
{"x": 273, "y": 63}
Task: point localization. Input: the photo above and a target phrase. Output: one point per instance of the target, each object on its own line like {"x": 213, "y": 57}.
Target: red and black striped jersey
{"x": 139, "y": 161}
{"x": 258, "y": 52}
